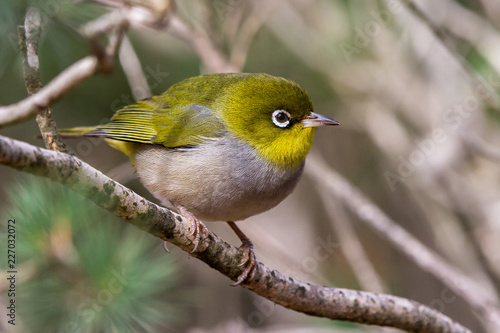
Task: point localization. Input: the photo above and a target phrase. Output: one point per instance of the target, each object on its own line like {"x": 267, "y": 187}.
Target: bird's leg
{"x": 195, "y": 224}
{"x": 249, "y": 256}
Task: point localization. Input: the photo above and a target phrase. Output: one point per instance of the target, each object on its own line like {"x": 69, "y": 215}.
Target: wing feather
{"x": 191, "y": 126}
{"x": 146, "y": 122}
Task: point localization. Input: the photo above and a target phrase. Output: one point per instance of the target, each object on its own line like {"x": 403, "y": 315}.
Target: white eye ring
{"x": 281, "y": 118}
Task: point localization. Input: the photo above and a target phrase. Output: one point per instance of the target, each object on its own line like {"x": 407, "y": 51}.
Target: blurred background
{"x": 415, "y": 88}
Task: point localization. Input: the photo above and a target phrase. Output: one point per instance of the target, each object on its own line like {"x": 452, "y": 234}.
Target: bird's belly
{"x": 215, "y": 182}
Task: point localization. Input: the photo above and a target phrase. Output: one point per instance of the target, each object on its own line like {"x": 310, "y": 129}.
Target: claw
{"x": 196, "y": 234}
{"x": 250, "y": 261}
{"x": 196, "y": 225}
{"x": 248, "y": 258}
{"x": 165, "y": 247}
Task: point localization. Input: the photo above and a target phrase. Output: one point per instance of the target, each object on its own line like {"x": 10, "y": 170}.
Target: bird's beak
{"x": 315, "y": 120}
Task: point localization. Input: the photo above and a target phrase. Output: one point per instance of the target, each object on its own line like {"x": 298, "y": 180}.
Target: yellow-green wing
{"x": 186, "y": 126}
{"x": 147, "y": 122}
{"x": 133, "y": 125}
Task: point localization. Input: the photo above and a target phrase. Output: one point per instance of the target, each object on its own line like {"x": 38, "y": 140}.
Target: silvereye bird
{"x": 218, "y": 147}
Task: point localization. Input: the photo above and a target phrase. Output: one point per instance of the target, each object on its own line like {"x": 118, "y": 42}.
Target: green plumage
{"x": 192, "y": 125}
{"x": 131, "y": 124}
{"x": 150, "y": 122}
{"x": 205, "y": 108}
{"x": 180, "y": 117}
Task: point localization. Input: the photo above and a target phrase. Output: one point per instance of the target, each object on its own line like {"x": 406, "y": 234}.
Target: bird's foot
{"x": 196, "y": 225}
{"x": 248, "y": 260}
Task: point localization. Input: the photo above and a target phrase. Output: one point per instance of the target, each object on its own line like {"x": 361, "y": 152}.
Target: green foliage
{"x": 82, "y": 272}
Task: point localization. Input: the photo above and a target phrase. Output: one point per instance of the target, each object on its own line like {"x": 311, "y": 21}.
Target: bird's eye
{"x": 281, "y": 118}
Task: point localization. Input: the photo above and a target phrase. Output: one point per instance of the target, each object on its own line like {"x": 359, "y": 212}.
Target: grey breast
{"x": 222, "y": 179}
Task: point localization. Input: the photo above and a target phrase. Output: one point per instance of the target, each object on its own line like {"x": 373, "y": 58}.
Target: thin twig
{"x": 29, "y": 34}
{"x": 152, "y": 13}
{"x": 133, "y": 71}
{"x": 210, "y": 56}
{"x": 106, "y": 23}
{"x": 333, "y": 303}
{"x": 261, "y": 11}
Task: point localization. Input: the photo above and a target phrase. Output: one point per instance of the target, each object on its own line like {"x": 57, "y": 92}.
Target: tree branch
{"x": 333, "y": 303}
{"x": 52, "y": 92}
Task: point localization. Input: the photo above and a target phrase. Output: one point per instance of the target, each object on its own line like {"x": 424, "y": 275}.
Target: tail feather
{"x": 131, "y": 124}
{"x": 77, "y": 132}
